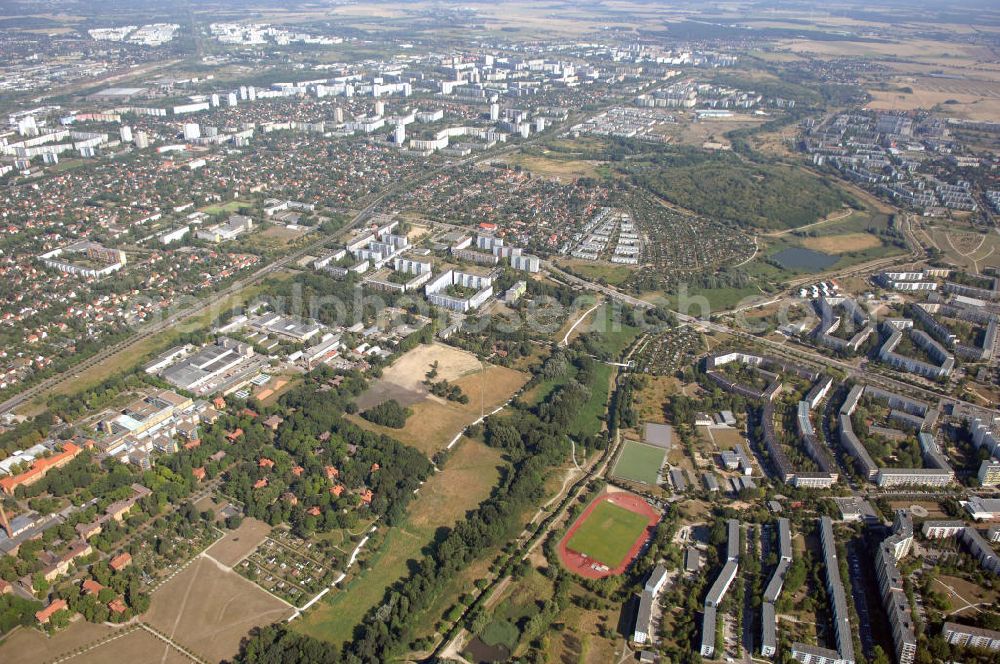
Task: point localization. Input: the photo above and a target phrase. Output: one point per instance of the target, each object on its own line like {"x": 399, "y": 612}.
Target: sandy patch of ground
{"x": 237, "y": 544}
{"x": 403, "y": 381}
{"x": 209, "y": 609}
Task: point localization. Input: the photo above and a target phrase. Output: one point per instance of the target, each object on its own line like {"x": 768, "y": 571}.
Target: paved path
{"x": 565, "y": 339}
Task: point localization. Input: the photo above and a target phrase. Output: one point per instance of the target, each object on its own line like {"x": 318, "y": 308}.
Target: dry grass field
{"x": 237, "y": 544}
{"x": 961, "y": 593}
{"x": 466, "y": 481}
{"x": 136, "y": 646}
{"x": 209, "y": 608}
{"x": 29, "y": 646}
{"x": 651, "y": 400}
{"x": 436, "y": 421}
{"x": 841, "y": 244}
{"x": 403, "y": 381}
{"x": 560, "y": 169}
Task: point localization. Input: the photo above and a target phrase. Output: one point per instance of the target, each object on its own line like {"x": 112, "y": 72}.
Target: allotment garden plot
{"x": 285, "y": 567}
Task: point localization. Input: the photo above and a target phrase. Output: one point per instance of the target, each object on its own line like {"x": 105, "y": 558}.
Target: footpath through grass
{"x": 466, "y": 480}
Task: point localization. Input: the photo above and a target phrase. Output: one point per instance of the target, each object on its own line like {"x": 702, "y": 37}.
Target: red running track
{"x": 590, "y": 568}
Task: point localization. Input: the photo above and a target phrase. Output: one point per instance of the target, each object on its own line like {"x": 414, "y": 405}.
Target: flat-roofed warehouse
{"x": 211, "y": 362}
{"x": 286, "y": 326}
{"x": 118, "y": 93}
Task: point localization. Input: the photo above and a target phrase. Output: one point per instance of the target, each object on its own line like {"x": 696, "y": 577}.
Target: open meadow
{"x": 466, "y": 479}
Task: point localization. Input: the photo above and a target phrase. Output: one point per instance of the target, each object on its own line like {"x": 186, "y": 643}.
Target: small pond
{"x": 800, "y": 258}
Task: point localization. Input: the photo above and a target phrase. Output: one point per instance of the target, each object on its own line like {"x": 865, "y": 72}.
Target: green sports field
{"x": 608, "y": 533}
{"x": 639, "y": 462}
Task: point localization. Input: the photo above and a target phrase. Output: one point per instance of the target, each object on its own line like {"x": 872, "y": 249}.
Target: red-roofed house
{"x": 298, "y": 470}
{"x": 249, "y": 413}
{"x": 265, "y": 463}
{"x": 233, "y": 435}
{"x": 198, "y": 473}
{"x": 39, "y": 468}
{"x": 337, "y": 490}
{"x": 91, "y": 587}
{"x": 315, "y": 511}
{"x": 121, "y": 561}
{"x": 192, "y": 444}
{"x": 331, "y": 472}
{"x": 219, "y": 403}
{"x": 5, "y": 587}
{"x": 261, "y": 483}
{"x": 366, "y": 495}
{"x": 117, "y": 605}
{"x": 375, "y": 467}
{"x": 46, "y": 613}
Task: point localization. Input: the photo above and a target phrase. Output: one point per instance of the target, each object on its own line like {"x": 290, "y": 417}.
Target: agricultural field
{"x": 639, "y": 463}
{"x": 208, "y": 608}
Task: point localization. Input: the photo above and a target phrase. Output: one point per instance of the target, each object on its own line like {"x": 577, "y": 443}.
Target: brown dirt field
{"x": 841, "y": 244}
{"x": 436, "y": 421}
{"x": 136, "y": 646}
{"x": 404, "y": 379}
{"x": 240, "y": 542}
{"x": 209, "y": 609}
{"x": 29, "y": 646}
